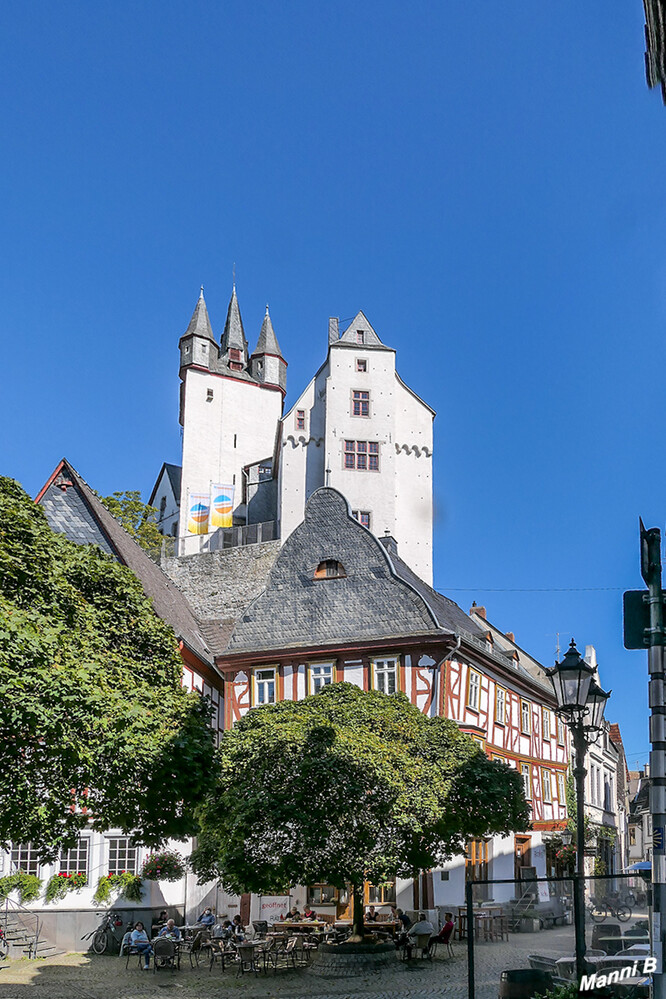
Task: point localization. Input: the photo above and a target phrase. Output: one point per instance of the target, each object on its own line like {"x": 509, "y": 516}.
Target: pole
{"x": 579, "y": 879}
{"x": 470, "y": 940}
{"x": 651, "y": 569}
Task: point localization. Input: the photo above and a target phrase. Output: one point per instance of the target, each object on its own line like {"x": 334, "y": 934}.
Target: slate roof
{"x": 234, "y": 334}
{"x": 200, "y": 323}
{"x": 360, "y": 322}
{"x": 372, "y": 601}
{"x": 174, "y": 473}
{"x": 73, "y": 509}
{"x": 267, "y": 342}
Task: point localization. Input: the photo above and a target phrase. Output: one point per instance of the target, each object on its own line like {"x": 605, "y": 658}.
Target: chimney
{"x": 333, "y": 333}
{"x": 590, "y": 655}
{"x": 510, "y": 635}
{"x": 481, "y": 611}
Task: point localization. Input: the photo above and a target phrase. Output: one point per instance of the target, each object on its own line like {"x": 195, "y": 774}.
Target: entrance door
{"x": 245, "y": 908}
{"x": 522, "y": 854}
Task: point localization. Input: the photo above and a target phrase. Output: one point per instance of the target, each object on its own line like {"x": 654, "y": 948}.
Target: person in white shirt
{"x": 422, "y": 926}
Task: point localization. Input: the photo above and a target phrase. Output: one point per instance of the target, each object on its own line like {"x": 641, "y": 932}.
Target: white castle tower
{"x": 230, "y": 408}
{"x": 359, "y": 428}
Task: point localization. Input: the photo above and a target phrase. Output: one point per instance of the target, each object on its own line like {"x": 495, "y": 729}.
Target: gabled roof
{"x": 267, "y": 342}
{"x": 72, "y": 508}
{"x": 200, "y": 323}
{"x": 174, "y": 473}
{"x": 360, "y": 322}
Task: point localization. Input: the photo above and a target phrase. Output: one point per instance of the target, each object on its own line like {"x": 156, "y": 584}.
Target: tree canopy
{"x": 94, "y": 723}
{"x": 347, "y": 786}
{"x": 138, "y": 518}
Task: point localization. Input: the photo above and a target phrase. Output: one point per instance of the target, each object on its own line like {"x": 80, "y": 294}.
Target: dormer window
{"x": 360, "y": 336}
{"x": 330, "y": 569}
{"x": 235, "y": 359}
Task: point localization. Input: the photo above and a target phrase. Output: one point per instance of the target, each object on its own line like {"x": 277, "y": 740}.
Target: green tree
{"x": 347, "y": 786}
{"x": 138, "y": 518}
{"x": 96, "y": 729}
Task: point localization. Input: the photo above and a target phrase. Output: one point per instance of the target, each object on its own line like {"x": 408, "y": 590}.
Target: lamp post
{"x": 581, "y": 703}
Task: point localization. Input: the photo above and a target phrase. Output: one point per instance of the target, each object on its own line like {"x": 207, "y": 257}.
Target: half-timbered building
{"x": 341, "y": 605}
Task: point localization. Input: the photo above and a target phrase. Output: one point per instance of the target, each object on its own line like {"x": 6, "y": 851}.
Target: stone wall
{"x": 221, "y": 584}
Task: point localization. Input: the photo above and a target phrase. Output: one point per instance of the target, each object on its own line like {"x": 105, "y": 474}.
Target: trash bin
{"x": 523, "y": 983}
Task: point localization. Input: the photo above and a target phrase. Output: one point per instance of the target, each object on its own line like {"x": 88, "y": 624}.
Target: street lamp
{"x": 581, "y": 703}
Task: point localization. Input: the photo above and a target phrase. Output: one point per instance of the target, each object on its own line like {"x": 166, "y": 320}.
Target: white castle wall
{"x": 222, "y": 435}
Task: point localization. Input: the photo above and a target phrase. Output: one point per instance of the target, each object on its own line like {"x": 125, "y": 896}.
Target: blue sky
{"x": 483, "y": 180}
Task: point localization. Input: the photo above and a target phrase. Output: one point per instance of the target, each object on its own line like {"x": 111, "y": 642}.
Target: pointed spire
{"x": 267, "y": 342}
{"x": 234, "y": 334}
{"x": 200, "y": 323}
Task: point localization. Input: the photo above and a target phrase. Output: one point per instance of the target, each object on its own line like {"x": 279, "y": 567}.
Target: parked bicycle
{"x": 600, "y": 908}
{"x": 103, "y": 939}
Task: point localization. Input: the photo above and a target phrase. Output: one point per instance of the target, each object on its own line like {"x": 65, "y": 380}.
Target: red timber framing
{"x": 350, "y": 661}
{"x": 511, "y": 733}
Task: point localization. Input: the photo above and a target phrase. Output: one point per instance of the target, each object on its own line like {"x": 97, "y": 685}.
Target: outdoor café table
{"x": 611, "y": 944}
{"x": 302, "y": 926}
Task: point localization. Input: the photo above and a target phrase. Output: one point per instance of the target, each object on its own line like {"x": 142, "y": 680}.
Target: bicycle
{"x": 600, "y": 908}
{"x": 102, "y": 934}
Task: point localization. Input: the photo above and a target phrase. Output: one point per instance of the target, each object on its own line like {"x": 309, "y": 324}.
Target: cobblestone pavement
{"x": 82, "y": 976}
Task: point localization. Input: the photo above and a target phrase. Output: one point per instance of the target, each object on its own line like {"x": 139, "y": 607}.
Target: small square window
{"x": 75, "y": 861}
{"x": 360, "y": 336}
{"x": 385, "y": 673}
{"x": 300, "y": 419}
{"x": 209, "y": 395}
{"x": 361, "y": 364}
{"x": 234, "y": 354}
{"x": 363, "y": 517}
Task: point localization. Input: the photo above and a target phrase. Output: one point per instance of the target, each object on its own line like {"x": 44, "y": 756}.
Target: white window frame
{"x": 261, "y": 683}
{"x": 561, "y": 789}
{"x": 70, "y": 861}
{"x": 526, "y": 730}
{"x": 384, "y": 671}
{"x": 23, "y": 857}
{"x": 500, "y": 700}
{"x": 545, "y": 723}
{"x": 546, "y": 786}
{"x": 560, "y": 731}
{"x": 473, "y": 684}
{"x": 362, "y": 365}
{"x": 526, "y": 774}
{"x": 320, "y": 675}
{"x": 127, "y": 855}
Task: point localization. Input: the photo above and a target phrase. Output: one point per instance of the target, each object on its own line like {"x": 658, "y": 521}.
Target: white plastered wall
{"x": 221, "y": 436}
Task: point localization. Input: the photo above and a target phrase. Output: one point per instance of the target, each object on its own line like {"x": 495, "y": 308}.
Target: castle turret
{"x": 197, "y": 344}
{"x": 267, "y": 365}
{"x": 233, "y": 351}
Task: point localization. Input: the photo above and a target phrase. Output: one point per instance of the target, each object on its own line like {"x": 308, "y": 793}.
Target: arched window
{"x": 330, "y": 569}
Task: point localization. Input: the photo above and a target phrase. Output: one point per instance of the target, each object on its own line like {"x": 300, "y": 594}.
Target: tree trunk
{"x": 357, "y": 906}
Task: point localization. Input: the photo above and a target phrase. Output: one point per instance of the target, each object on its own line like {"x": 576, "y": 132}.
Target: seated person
{"x": 159, "y": 923}
{"x": 237, "y": 928}
{"x": 401, "y": 917}
{"x": 140, "y": 942}
{"x": 446, "y": 931}
{"x": 371, "y": 915}
{"x": 206, "y": 918}
{"x": 170, "y": 930}
{"x": 421, "y": 927}
{"x": 223, "y": 931}
{"x": 309, "y": 913}
{"x": 294, "y": 915}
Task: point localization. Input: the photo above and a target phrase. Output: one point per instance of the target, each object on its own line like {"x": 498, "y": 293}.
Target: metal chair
{"x": 288, "y": 954}
{"x": 421, "y": 941}
{"x": 220, "y": 952}
{"x": 260, "y": 927}
{"x": 245, "y": 959}
{"x": 197, "y": 946}
{"x": 164, "y": 954}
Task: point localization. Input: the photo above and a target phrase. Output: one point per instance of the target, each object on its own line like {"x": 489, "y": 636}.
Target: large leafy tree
{"x": 95, "y": 726}
{"x": 347, "y": 786}
{"x": 138, "y": 518}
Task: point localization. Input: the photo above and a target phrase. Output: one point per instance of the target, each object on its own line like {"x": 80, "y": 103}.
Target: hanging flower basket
{"x": 166, "y": 865}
